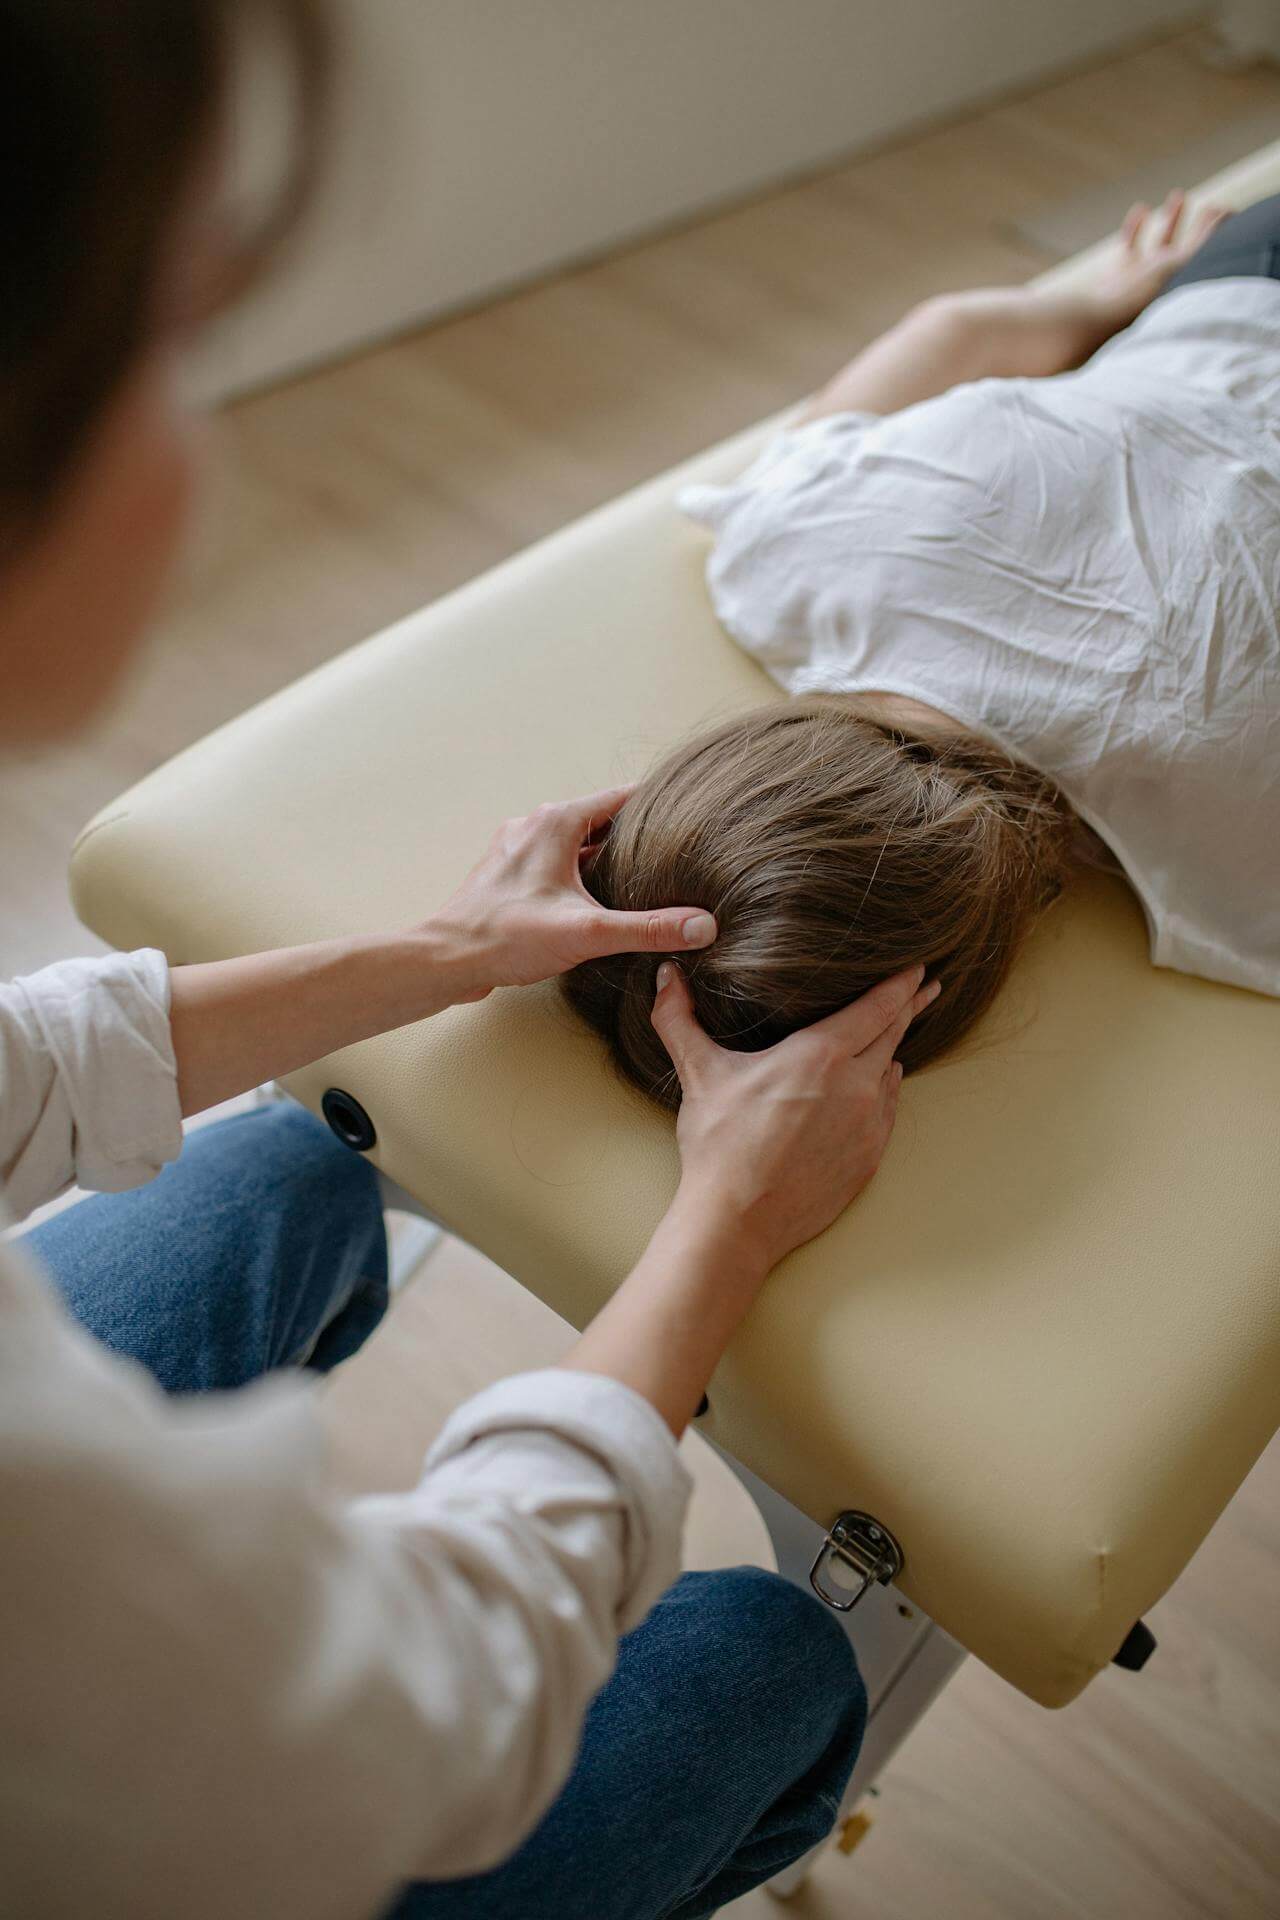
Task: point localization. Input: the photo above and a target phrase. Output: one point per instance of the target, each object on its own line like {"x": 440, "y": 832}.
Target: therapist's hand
{"x": 523, "y": 914}
{"x": 773, "y": 1146}
{"x": 779, "y": 1142}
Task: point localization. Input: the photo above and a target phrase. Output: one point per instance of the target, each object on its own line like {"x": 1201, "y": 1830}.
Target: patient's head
{"x": 833, "y": 851}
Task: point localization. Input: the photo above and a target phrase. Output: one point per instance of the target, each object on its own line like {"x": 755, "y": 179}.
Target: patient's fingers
{"x": 1170, "y": 214}
{"x": 1205, "y": 221}
{"x": 1133, "y": 223}
{"x": 1168, "y": 225}
{"x": 676, "y": 1024}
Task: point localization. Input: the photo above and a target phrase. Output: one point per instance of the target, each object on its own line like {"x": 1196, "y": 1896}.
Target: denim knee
{"x": 326, "y": 1219}
{"x": 785, "y": 1655}
{"x": 297, "y": 1156}
{"x": 716, "y": 1754}
{"x": 261, "y": 1245}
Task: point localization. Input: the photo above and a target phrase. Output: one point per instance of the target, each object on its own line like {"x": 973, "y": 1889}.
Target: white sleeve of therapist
{"x": 88, "y": 1081}
{"x": 236, "y": 1695}
{"x": 226, "y": 1690}
{"x": 561, "y": 1498}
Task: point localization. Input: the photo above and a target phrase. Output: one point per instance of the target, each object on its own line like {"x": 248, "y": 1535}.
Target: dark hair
{"x": 833, "y": 850}
{"x": 108, "y": 108}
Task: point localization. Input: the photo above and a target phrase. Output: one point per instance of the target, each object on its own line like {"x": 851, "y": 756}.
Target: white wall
{"x": 485, "y": 141}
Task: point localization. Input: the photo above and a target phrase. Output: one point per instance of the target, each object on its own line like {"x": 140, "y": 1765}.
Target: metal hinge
{"x": 856, "y": 1545}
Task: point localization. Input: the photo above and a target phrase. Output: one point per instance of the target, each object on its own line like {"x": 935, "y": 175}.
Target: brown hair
{"x": 106, "y": 114}
{"x": 833, "y": 850}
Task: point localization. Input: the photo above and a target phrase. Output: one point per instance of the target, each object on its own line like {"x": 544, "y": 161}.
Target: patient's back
{"x": 1084, "y": 568}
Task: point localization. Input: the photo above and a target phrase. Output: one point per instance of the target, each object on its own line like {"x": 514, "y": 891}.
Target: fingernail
{"x": 666, "y": 974}
{"x": 699, "y": 930}
{"x": 919, "y": 972}
{"x": 934, "y": 990}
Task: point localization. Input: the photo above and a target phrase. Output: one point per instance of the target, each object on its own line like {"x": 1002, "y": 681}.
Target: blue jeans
{"x": 719, "y": 1750}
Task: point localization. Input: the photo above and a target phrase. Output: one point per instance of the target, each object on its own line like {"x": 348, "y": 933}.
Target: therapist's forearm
{"x": 236, "y": 1023}
{"x": 666, "y": 1328}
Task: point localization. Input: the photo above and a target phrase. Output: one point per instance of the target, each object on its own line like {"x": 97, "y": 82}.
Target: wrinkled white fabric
{"x": 88, "y": 1081}
{"x": 224, "y": 1691}
{"x": 1085, "y": 569}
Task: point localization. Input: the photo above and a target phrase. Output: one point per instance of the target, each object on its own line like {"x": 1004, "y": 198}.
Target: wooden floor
{"x": 353, "y": 496}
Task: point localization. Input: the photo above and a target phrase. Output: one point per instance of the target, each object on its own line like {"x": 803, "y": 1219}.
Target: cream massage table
{"x": 1041, "y": 1352}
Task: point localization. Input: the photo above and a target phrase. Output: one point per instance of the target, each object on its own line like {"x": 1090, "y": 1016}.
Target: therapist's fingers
{"x": 860, "y": 1024}
{"x": 676, "y": 1024}
{"x": 588, "y": 817}
{"x": 556, "y": 835}
{"x": 879, "y": 1056}
{"x": 659, "y": 930}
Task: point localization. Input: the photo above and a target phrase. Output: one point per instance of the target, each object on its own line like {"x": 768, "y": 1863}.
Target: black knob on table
{"x": 348, "y": 1119}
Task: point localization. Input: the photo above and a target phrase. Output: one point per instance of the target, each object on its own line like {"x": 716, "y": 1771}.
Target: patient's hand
{"x": 523, "y": 914}
{"x": 782, "y": 1140}
{"x": 1149, "y": 249}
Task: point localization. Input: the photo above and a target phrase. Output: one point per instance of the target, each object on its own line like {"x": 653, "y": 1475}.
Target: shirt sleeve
{"x": 88, "y": 1079}
{"x": 547, "y": 1524}
{"x": 312, "y": 1702}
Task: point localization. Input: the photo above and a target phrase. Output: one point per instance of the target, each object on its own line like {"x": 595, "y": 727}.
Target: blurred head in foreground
{"x": 120, "y": 240}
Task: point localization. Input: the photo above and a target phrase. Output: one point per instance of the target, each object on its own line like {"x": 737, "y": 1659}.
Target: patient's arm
{"x": 1010, "y": 331}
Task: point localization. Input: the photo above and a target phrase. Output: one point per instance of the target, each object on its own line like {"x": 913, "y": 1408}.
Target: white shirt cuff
{"x": 618, "y": 1427}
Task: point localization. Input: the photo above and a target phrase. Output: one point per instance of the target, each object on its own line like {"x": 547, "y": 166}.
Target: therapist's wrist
{"x": 705, "y": 1213}
{"x": 453, "y": 962}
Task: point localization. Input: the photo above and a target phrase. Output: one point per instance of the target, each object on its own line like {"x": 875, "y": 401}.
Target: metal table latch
{"x": 857, "y": 1550}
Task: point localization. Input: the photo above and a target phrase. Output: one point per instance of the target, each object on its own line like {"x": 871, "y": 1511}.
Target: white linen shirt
{"x": 222, "y": 1692}
{"x": 1085, "y": 569}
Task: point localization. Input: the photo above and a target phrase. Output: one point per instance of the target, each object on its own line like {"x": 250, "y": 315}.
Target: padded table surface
{"x": 1044, "y": 1347}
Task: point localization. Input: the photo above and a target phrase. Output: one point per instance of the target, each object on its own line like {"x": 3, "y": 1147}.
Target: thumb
{"x": 675, "y": 1022}
{"x": 661, "y": 930}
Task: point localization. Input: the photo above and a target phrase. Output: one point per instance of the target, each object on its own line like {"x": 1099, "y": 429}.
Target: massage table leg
{"x": 905, "y": 1660}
